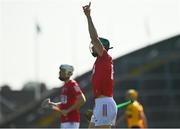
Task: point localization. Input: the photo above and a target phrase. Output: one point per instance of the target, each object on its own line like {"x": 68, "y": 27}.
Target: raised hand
{"x": 87, "y": 9}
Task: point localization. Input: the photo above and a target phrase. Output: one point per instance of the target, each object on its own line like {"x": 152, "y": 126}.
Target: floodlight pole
{"x": 36, "y": 61}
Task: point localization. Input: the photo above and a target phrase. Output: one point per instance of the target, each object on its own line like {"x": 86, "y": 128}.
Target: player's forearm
{"x": 55, "y": 104}
{"x": 92, "y": 29}
{"x": 77, "y": 105}
{"x": 145, "y": 122}
{"x": 56, "y": 108}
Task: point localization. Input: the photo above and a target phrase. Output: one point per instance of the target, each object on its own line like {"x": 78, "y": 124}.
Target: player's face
{"x": 63, "y": 75}
{"x": 92, "y": 50}
{"x": 129, "y": 97}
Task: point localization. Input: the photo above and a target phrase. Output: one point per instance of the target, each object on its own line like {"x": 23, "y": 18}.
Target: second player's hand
{"x": 46, "y": 103}
{"x": 87, "y": 9}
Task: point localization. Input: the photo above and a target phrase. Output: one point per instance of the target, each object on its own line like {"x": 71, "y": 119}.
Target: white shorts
{"x": 105, "y": 112}
{"x": 68, "y": 125}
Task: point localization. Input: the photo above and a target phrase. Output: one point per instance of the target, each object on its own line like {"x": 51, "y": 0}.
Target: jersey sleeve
{"x": 76, "y": 90}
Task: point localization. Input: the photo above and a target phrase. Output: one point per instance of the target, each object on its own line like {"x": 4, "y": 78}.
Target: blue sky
{"x": 64, "y": 38}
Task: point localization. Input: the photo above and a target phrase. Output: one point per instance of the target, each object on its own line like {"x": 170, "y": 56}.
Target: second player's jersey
{"x": 102, "y": 75}
{"x": 133, "y": 115}
{"x": 68, "y": 97}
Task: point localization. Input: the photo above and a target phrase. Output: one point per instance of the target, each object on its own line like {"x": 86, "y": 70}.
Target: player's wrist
{"x": 52, "y": 103}
{"x": 68, "y": 110}
{"x": 88, "y": 16}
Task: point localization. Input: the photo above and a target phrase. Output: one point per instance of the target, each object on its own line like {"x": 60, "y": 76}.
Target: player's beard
{"x": 94, "y": 54}
{"x": 63, "y": 78}
{"x": 92, "y": 50}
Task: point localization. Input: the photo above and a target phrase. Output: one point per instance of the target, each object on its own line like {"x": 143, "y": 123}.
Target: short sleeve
{"x": 76, "y": 90}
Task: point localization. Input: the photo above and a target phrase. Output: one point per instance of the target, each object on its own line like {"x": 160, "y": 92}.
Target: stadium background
{"x": 153, "y": 70}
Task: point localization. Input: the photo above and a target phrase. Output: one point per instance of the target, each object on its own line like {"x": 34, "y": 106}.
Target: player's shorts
{"x": 68, "y": 125}
{"x": 105, "y": 112}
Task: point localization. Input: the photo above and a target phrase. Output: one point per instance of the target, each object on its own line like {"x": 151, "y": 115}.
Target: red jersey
{"x": 102, "y": 75}
{"x": 68, "y": 97}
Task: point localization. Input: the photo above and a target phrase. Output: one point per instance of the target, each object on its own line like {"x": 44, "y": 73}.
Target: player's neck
{"x": 67, "y": 81}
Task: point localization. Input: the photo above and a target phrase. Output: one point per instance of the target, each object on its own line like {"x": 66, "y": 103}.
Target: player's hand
{"x": 87, "y": 9}
{"x": 64, "y": 112}
{"x": 88, "y": 114}
{"x": 46, "y": 103}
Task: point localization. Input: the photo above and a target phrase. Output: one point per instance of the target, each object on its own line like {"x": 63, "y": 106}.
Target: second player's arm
{"x": 80, "y": 101}
{"x": 55, "y": 106}
{"x": 92, "y": 31}
{"x": 144, "y": 120}
{"x": 94, "y": 37}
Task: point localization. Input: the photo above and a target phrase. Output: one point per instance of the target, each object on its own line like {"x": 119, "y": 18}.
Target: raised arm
{"x": 92, "y": 31}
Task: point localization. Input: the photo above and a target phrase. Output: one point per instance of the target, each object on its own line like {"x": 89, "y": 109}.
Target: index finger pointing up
{"x": 89, "y": 4}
